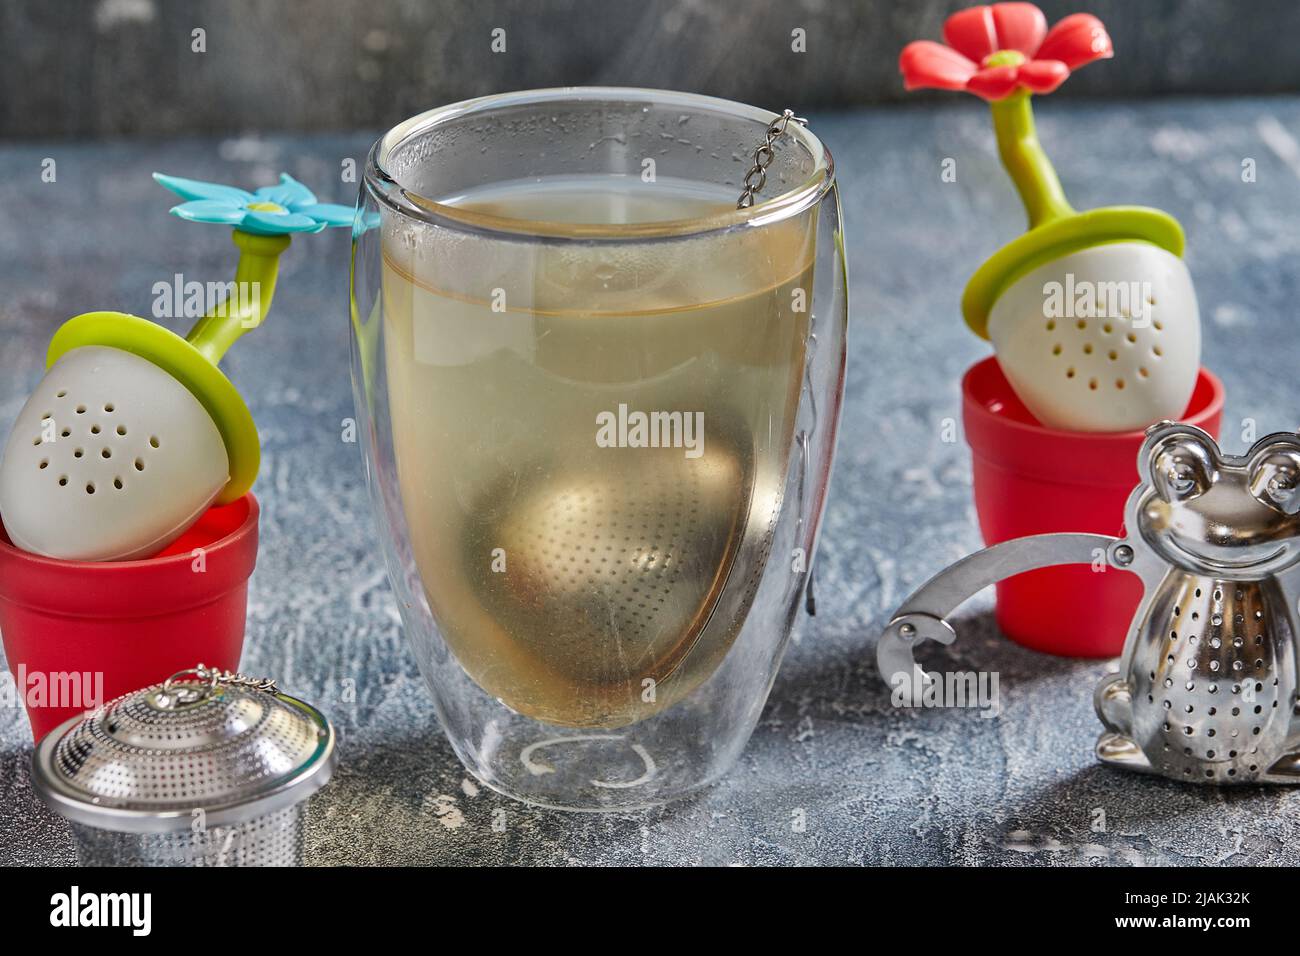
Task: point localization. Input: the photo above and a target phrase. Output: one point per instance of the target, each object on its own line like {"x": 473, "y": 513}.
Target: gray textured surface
{"x": 95, "y": 67}
{"x": 878, "y": 785}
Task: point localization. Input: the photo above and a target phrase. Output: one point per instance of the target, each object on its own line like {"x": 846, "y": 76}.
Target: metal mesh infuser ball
{"x": 206, "y": 769}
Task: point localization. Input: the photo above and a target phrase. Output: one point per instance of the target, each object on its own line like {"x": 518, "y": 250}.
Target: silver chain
{"x": 756, "y": 178}
{"x": 173, "y": 693}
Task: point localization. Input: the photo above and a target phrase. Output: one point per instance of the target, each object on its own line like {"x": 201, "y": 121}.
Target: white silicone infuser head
{"x": 110, "y": 459}
{"x": 1104, "y": 339}
{"x": 134, "y": 432}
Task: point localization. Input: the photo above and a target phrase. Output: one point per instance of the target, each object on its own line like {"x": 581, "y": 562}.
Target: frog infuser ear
{"x": 1182, "y": 461}
{"x": 1275, "y": 472}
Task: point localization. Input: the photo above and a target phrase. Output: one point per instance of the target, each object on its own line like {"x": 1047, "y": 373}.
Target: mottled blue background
{"x": 96, "y": 67}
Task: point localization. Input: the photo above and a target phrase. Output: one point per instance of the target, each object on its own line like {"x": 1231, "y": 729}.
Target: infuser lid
{"x": 232, "y": 746}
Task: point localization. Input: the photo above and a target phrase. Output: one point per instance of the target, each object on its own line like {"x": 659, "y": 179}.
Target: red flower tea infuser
{"x": 1095, "y": 326}
{"x": 1092, "y": 314}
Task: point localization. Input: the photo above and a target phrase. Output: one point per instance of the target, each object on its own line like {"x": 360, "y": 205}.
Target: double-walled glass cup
{"x": 599, "y": 406}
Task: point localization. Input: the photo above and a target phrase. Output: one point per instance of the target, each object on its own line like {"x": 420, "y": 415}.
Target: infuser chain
{"x": 756, "y": 178}
{"x": 923, "y": 616}
{"x": 173, "y": 693}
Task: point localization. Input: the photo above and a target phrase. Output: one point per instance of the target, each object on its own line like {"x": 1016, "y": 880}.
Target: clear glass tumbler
{"x": 599, "y": 405}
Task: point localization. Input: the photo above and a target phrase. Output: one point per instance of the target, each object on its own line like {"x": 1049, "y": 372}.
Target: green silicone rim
{"x": 170, "y": 352}
{"x": 1061, "y": 237}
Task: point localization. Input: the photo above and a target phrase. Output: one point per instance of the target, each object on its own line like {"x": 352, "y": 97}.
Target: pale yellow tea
{"x": 592, "y": 438}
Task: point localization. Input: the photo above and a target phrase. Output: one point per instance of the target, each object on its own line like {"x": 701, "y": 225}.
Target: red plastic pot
{"x": 1030, "y": 479}
{"x": 78, "y": 633}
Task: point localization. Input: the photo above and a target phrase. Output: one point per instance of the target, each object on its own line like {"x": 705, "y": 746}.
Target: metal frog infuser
{"x": 1206, "y": 689}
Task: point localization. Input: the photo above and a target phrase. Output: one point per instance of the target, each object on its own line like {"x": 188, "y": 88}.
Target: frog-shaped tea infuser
{"x": 1206, "y": 689}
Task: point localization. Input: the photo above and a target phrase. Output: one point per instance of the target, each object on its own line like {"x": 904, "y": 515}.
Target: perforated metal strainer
{"x": 644, "y": 570}
{"x": 1206, "y": 690}
{"x": 206, "y": 769}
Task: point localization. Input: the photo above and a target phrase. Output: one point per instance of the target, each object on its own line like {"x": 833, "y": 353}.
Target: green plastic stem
{"x": 246, "y": 307}
{"x": 1022, "y": 155}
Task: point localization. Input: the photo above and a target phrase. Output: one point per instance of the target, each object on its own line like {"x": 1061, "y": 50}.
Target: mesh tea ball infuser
{"x": 134, "y": 431}
{"x": 208, "y": 768}
{"x": 1092, "y": 314}
{"x": 1206, "y": 690}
